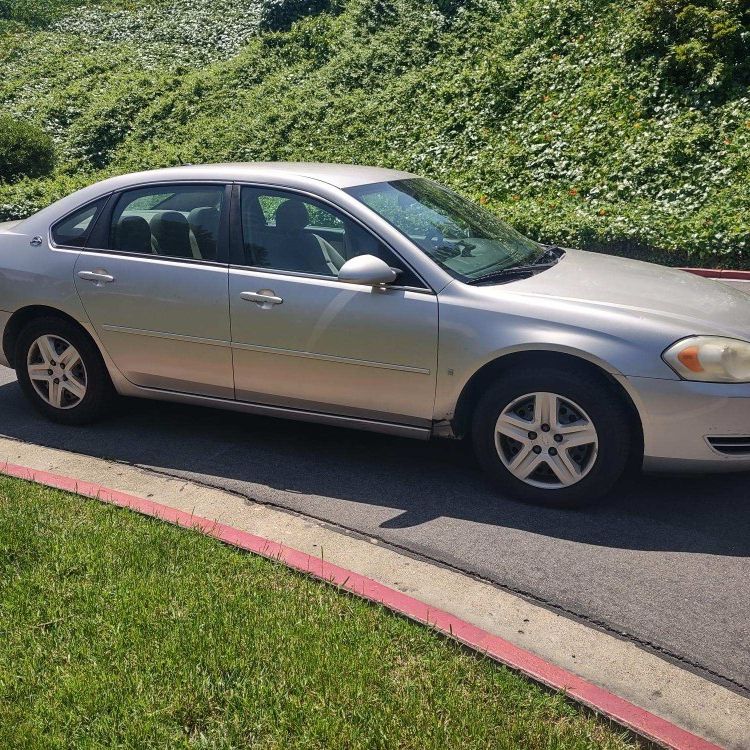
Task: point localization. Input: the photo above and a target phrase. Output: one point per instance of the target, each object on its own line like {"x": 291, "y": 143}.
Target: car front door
{"x": 153, "y": 281}
{"x": 303, "y": 339}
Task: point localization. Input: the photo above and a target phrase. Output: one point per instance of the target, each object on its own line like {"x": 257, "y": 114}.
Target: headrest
{"x": 169, "y": 221}
{"x": 204, "y": 218}
{"x": 252, "y": 213}
{"x": 133, "y": 235}
{"x": 292, "y": 216}
{"x": 204, "y": 222}
{"x": 171, "y": 234}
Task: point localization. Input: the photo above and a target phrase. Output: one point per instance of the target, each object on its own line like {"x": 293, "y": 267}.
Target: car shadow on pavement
{"x": 422, "y": 480}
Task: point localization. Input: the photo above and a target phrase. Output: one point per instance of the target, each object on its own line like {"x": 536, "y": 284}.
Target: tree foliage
{"x": 623, "y": 127}
{"x": 25, "y": 150}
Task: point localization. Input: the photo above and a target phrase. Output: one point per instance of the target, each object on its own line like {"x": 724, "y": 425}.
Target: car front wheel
{"x": 61, "y": 372}
{"x": 552, "y": 437}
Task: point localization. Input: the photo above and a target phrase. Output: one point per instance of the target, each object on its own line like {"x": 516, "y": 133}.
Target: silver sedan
{"x": 375, "y": 299}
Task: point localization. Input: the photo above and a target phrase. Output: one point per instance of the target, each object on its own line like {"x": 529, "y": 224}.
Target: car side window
{"x": 176, "y": 221}
{"x": 284, "y": 231}
{"x": 74, "y": 230}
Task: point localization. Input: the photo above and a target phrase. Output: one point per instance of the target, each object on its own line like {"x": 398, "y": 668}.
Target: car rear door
{"x": 153, "y": 281}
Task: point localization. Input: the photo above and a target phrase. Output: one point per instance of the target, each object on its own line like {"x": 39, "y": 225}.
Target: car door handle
{"x": 99, "y": 276}
{"x": 262, "y": 298}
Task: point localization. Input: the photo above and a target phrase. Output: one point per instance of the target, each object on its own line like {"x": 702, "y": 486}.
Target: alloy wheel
{"x": 57, "y": 372}
{"x": 546, "y": 440}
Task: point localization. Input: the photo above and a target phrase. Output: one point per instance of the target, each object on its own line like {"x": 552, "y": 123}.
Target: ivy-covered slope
{"x": 609, "y": 124}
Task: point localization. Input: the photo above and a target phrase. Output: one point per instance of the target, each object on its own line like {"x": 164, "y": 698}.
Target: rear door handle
{"x": 101, "y": 277}
{"x": 264, "y": 298}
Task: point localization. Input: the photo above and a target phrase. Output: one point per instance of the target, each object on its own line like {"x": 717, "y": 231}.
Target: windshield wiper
{"x": 552, "y": 253}
{"x": 512, "y": 272}
{"x": 547, "y": 259}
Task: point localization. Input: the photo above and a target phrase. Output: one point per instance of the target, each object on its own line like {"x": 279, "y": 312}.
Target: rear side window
{"x": 74, "y": 230}
{"x": 180, "y": 221}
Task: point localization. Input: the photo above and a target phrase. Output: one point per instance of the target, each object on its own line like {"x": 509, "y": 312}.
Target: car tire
{"x": 520, "y": 451}
{"x": 75, "y": 388}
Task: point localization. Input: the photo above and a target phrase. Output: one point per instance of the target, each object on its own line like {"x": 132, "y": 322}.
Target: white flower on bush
{"x": 190, "y": 30}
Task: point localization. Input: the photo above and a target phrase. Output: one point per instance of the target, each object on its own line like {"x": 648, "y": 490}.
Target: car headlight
{"x": 710, "y": 359}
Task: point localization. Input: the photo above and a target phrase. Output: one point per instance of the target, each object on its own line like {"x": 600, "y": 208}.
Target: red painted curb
{"x": 710, "y": 273}
{"x": 623, "y": 712}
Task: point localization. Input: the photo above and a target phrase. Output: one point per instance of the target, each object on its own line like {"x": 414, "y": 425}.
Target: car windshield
{"x": 465, "y": 239}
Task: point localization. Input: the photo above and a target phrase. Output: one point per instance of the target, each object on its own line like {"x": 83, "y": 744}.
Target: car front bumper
{"x": 679, "y": 417}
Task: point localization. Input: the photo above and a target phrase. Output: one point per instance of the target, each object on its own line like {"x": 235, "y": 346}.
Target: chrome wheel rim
{"x": 57, "y": 372}
{"x": 546, "y": 440}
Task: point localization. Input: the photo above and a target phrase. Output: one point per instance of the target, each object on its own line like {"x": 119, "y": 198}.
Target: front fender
{"x": 472, "y": 336}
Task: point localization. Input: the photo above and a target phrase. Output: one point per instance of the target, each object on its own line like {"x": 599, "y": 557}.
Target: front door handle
{"x": 100, "y": 277}
{"x": 265, "y": 298}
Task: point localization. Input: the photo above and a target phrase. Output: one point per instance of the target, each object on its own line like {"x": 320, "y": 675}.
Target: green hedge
{"x": 25, "y": 150}
{"x": 42, "y": 13}
{"x": 280, "y": 15}
{"x": 35, "y": 12}
{"x": 610, "y": 126}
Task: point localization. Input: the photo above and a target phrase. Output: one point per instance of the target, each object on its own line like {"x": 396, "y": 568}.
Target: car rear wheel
{"x": 61, "y": 372}
{"x": 552, "y": 438}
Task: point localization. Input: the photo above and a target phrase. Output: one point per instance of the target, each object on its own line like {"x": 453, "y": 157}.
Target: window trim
{"x": 237, "y": 254}
{"x": 103, "y": 223}
{"x": 105, "y": 198}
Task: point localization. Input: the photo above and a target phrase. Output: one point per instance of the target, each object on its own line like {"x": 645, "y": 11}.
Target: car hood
{"x": 645, "y": 290}
{"x": 6, "y": 226}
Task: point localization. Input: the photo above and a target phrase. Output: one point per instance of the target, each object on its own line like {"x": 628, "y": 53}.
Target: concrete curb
{"x": 710, "y": 273}
{"x": 639, "y": 720}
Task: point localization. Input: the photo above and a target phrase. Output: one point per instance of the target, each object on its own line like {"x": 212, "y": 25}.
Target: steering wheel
{"x": 464, "y": 248}
{"x": 435, "y": 237}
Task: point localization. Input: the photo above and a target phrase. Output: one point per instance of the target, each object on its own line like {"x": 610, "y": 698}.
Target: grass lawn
{"x": 120, "y": 631}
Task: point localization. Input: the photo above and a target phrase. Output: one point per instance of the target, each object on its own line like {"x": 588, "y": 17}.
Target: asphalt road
{"x": 664, "y": 562}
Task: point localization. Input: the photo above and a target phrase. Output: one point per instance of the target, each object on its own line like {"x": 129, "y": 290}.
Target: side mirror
{"x": 367, "y": 270}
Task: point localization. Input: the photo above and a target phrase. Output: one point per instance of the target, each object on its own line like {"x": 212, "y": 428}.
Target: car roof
{"x": 338, "y": 175}
{"x": 277, "y": 173}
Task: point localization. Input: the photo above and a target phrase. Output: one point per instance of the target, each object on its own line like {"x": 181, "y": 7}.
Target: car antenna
{"x": 183, "y": 163}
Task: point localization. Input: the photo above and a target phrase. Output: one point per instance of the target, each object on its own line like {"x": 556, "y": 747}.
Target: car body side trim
{"x": 269, "y": 349}
{"x": 283, "y": 412}
{"x": 144, "y": 256}
{"x": 331, "y": 358}
{"x": 164, "y": 335}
